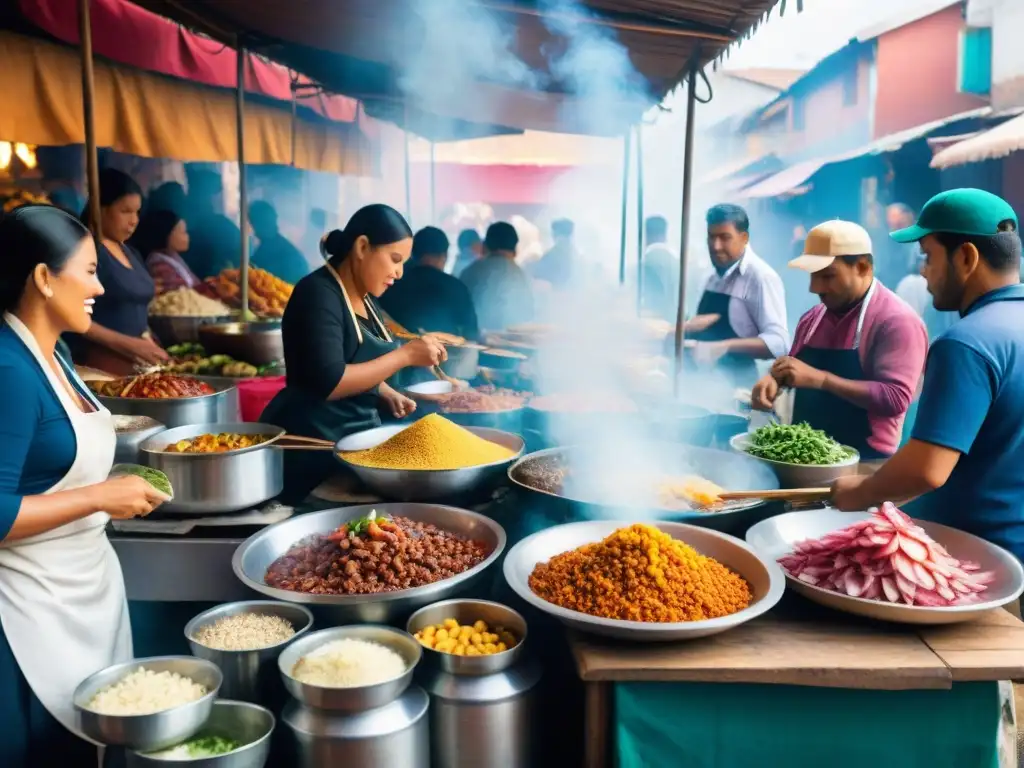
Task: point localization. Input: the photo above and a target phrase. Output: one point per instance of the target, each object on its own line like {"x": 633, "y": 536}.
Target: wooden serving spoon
{"x": 785, "y": 494}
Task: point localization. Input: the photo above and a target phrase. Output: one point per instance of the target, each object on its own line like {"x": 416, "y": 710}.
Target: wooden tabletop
{"x": 799, "y": 643}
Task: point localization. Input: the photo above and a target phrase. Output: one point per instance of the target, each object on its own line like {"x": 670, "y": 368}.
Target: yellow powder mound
{"x": 433, "y": 442}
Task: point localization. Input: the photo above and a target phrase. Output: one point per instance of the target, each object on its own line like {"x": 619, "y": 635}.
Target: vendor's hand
{"x": 847, "y": 495}
{"x": 707, "y": 353}
{"x": 126, "y": 497}
{"x": 399, "y": 405}
{"x": 145, "y": 350}
{"x": 700, "y": 323}
{"x": 425, "y": 352}
{"x": 790, "y": 372}
{"x": 762, "y": 396}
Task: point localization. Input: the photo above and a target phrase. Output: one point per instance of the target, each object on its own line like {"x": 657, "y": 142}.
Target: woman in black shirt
{"x": 119, "y": 338}
{"x": 338, "y": 354}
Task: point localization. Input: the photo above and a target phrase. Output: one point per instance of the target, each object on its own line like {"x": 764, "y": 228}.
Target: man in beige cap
{"x": 857, "y": 358}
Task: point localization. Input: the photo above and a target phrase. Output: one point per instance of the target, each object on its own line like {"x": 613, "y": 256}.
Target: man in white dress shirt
{"x": 747, "y": 297}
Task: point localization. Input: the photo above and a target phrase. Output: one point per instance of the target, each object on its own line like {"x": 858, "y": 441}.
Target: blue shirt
{"x": 37, "y": 442}
{"x": 973, "y": 402}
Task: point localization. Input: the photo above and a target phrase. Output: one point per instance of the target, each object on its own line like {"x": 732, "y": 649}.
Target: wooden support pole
{"x": 92, "y": 162}
{"x": 684, "y": 235}
{"x": 243, "y": 190}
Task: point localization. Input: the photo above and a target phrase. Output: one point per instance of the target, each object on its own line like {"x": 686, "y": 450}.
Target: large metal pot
{"x": 462, "y": 363}
{"x": 207, "y": 483}
{"x": 171, "y": 330}
{"x": 221, "y": 406}
{"x": 256, "y": 343}
{"x": 133, "y": 431}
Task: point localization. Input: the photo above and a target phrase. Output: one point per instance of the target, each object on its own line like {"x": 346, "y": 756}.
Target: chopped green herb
{"x": 359, "y": 525}
{"x": 796, "y": 444}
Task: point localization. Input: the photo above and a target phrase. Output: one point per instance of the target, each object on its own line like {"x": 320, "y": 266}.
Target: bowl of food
{"x": 501, "y": 359}
{"x": 311, "y": 559}
{"x": 350, "y": 669}
{"x": 801, "y": 457}
{"x": 147, "y": 704}
{"x": 174, "y": 400}
{"x": 432, "y": 458}
{"x": 244, "y": 639}
{"x": 233, "y": 468}
{"x": 258, "y": 343}
{"x": 700, "y": 582}
{"x": 236, "y": 735}
{"x": 468, "y": 637}
{"x": 884, "y": 565}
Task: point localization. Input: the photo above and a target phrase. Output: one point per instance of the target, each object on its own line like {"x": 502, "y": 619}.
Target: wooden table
{"x": 801, "y": 644}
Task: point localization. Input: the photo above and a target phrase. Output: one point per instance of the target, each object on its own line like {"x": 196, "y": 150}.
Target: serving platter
{"x": 776, "y": 536}
{"x": 764, "y": 576}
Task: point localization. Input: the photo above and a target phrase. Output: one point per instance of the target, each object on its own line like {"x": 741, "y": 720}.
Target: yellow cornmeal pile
{"x": 433, "y": 442}
{"x": 641, "y": 574}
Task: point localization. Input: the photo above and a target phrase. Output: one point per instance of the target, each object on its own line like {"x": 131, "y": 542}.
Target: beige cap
{"x": 831, "y": 239}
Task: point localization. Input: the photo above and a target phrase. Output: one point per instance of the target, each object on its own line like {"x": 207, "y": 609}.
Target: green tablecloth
{"x": 706, "y": 725}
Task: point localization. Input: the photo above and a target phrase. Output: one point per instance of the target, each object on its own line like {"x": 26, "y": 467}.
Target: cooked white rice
{"x": 144, "y": 691}
{"x": 244, "y": 632}
{"x": 348, "y": 663}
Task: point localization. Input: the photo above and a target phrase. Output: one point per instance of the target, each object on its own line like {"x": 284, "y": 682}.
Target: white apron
{"x": 62, "y": 599}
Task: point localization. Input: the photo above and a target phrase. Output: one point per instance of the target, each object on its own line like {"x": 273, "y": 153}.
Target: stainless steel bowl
{"x": 180, "y": 330}
{"x": 249, "y": 724}
{"x": 469, "y": 612}
{"x": 158, "y": 730}
{"x": 775, "y": 537}
{"x": 462, "y": 363}
{"x": 258, "y": 343}
{"x": 220, "y": 406}
{"x": 764, "y": 576}
{"x": 209, "y": 483}
{"x": 133, "y": 431}
{"x": 246, "y": 672}
{"x": 255, "y": 554}
{"x": 427, "y": 484}
{"x": 800, "y": 475}
{"x": 355, "y": 698}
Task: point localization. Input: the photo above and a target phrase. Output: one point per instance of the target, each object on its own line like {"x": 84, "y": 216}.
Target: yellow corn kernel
{"x": 428, "y": 631}
{"x": 472, "y": 651}
{"x": 465, "y": 633}
{"x": 490, "y": 648}
{"x": 502, "y": 647}
{"x": 442, "y": 634}
{"x": 460, "y": 650}
{"x": 476, "y": 638}
{"x": 479, "y": 626}
{"x": 451, "y": 624}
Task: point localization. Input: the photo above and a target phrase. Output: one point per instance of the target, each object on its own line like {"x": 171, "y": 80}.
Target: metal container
{"x": 249, "y": 675}
{"x": 354, "y": 698}
{"x": 255, "y": 554}
{"x": 208, "y": 483}
{"x": 776, "y": 536}
{"x": 763, "y": 575}
{"x": 486, "y": 721}
{"x": 221, "y": 406}
{"x": 469, "y": 612}
{"x": 133, "y": 431}
{"x": 428, "y": 484}
{"x": 180, "y": 330}
{"x": 801, "y": 475}
{"x": 429, "y": 396}
{"x": 258, "y": 343}
{"x": 248, "y": 724}
{"x": 396, "y": 735}
{"x": 462, "y": 363}
{"x": 158, "y": 730}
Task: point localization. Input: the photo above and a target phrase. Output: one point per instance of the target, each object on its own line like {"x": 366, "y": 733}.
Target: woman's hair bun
{"x": 332, "y": 245}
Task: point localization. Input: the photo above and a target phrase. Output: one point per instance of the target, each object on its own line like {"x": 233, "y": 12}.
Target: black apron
{"x": 838, "y": 418}
{"x": 740, "y": 369}
{"x": 301, "y": 413}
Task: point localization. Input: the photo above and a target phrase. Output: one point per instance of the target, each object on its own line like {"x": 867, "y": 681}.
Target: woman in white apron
{"x": 63, "y": 613}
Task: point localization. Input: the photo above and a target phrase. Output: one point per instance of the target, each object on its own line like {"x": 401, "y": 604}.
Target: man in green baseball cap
{"x": 967, "y": 445}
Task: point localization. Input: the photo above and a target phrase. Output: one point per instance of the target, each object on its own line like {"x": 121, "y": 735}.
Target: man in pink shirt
{"x": 857, "y": 358}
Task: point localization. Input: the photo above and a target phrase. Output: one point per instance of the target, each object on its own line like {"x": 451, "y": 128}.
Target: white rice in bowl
{"x": 144, "y": 692}
{"x": 349, "y": 663}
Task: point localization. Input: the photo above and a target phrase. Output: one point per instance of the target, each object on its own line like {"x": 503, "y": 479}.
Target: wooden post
{"x": 691, "y": 102}
{"x": 92, "y": 162}
{"x": 625, "y": 204}
{"x": 243, "y": 191}
{"x": 639, "y": 216}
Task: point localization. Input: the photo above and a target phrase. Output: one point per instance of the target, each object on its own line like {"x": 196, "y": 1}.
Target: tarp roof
{"x": 989, "y": 145}
{"x": 372, "y": 50}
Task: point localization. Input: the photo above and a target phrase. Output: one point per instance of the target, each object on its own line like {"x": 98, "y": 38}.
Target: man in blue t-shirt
{"x": 962, "y": 465}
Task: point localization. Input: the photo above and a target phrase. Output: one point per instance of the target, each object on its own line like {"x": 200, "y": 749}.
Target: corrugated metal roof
{"x": 784, "y": 181}
{"x": 990, "y": 145}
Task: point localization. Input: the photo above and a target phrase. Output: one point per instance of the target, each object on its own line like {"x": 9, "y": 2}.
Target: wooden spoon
{"x": 785, "y": 494}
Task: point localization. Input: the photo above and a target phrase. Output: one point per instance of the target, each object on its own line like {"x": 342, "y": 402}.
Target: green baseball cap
{"x": 959, "y": 212}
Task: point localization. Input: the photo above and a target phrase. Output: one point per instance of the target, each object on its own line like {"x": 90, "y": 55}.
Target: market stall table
{"x": 806, "y": 687}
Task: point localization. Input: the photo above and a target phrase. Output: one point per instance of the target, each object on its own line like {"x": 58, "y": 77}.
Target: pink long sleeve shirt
{"x": 893, "y": 348}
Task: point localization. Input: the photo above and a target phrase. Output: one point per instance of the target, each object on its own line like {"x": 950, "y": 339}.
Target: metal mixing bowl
{"x": 245, "y": 672}
{"x": 764, "y": 577}
{"x": 210, "y": 483}
{"x": 220, "y": 406}
{"x": 354, "y": 698}
{"x": 255, "y": 554}
{"x": 258, "y": 343}
{"x": 469, "y": 612}
{"x": 158, "y": 730}
{"x": 800, "y": 475}
{"x": 775, "y": 537}
{"x": 249, "y": 724}
{"x": 173, "y": 330}
{"x": 427, "y": 484}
